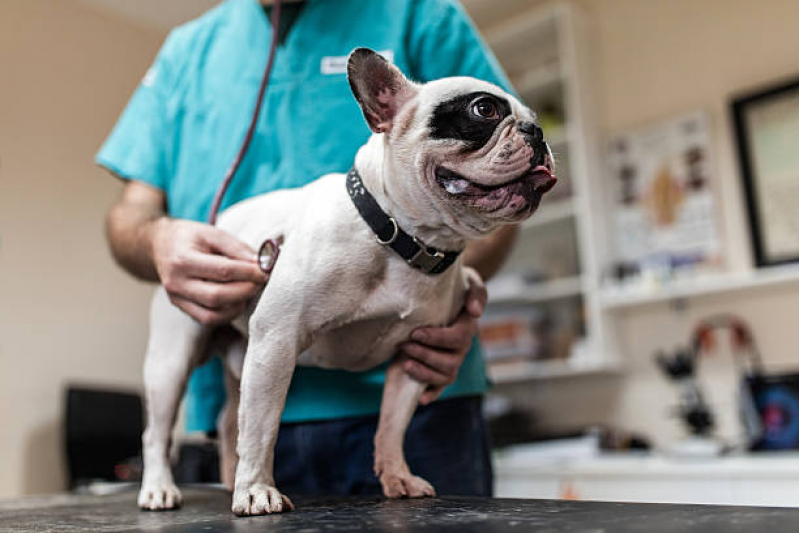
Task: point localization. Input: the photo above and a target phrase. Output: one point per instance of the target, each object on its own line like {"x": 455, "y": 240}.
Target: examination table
{"x": 207, "y": 509}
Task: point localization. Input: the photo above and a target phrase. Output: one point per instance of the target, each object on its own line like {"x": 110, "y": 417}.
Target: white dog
{"x": 366, "y": 258}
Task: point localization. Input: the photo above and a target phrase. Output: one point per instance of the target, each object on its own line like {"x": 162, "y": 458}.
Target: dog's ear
{"x": 380, "y": 88}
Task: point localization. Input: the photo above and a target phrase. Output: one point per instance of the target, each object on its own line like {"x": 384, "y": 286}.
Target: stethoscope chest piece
{"x": 267, "y": 255}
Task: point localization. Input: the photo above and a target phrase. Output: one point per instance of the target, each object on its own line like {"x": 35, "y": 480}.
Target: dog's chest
{"x": 386, "y": 318}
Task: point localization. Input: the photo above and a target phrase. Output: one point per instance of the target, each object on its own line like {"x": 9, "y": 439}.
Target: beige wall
{"x": 67, "y": 314}
{"x": 654, "y": 59}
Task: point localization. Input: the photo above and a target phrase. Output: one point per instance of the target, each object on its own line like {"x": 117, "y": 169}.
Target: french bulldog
{"x": 449, "y": 162}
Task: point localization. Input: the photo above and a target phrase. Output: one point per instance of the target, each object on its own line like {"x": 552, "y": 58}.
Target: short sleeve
{"x": 140, "y": 147}
{"x": 443, "y": 41}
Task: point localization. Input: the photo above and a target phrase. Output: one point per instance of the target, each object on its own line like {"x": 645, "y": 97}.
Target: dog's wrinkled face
{"x": 493, "y": 157}
{"x": 477, "y": 151}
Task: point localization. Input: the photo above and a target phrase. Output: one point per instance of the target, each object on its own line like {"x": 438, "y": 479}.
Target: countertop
{"x": 531, "y": 462}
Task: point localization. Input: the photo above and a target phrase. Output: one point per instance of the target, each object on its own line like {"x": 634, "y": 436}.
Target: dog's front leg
{"x": 268, "y": 366}
{"x": 401, "y": 394}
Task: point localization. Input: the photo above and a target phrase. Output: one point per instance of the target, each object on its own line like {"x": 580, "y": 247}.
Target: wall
{"x": 67, "y": 313}
{"x": 653, "y": 60}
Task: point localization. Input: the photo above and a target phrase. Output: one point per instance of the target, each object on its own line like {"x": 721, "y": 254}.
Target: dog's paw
{"x": 259, "y": 499}
{"x": 160, "y": 497}
{"x": 405, "y": 485}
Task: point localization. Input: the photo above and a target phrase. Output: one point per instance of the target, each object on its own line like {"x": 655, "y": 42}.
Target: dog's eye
{"x": 485, "y": 108}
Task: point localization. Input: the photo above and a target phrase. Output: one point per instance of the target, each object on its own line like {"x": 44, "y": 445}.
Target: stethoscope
{"x": 270, "y": 249}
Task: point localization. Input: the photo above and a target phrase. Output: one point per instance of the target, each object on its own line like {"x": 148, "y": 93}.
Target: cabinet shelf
{"x": 551, "y": 212}
{"x": 537, "y": 78}
{"x": 543, "y": 50}
{"x": 530, "y": 370}
{"x": 512, "y": 289}
{"x": 622, "y": 298}
{"x": 508, "y": 34}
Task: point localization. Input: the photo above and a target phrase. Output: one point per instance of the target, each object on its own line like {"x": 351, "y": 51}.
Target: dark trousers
{"x": 446, "y": 444}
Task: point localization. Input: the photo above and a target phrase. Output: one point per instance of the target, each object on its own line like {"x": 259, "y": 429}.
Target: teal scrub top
{"x": 186, "y": 121}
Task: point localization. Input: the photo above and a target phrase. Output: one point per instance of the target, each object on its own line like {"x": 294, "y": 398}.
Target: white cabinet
{"x": 543, "y": 318}
{"x": 763, "y": 480}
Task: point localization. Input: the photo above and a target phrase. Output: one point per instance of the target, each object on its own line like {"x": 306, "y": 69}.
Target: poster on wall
{"x": 663, "y": 204}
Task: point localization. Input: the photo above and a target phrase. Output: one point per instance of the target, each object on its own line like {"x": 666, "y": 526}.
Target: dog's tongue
{"x": 521, "y": 193}
{"x": 543, "y": 180}
{"x": 538, "y": 182}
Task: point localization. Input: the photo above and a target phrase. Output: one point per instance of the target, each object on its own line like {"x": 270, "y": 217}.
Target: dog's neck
{"x": 397, "y": 203}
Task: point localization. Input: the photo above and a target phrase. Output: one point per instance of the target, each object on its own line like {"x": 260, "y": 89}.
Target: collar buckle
{"x": 423, "y": 259}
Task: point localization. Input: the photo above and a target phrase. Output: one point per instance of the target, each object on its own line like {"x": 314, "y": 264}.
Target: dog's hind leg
{"x": 228, "y": 424}
{"x": 401, "y": 395}
{"x": 175, "y": 346}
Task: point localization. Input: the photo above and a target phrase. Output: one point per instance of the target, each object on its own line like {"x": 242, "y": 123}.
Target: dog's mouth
{"x": 518, "y": 197}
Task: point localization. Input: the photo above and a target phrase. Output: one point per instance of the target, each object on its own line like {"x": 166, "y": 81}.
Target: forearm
{"x": 489, "y": 254}
{"x": 129, "y": 229}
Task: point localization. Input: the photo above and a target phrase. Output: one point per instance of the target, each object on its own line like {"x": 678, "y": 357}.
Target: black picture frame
{"x": 754, "y": 183}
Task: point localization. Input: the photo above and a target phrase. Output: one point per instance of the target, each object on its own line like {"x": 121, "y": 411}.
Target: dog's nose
{"x": 535, "y": 138}
{"x": 532, "y": 129}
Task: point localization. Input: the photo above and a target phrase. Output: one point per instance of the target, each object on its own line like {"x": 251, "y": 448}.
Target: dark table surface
{"x": 208, "y": 510}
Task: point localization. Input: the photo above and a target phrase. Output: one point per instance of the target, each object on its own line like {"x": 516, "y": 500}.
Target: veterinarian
{"x": 172, "y": 145}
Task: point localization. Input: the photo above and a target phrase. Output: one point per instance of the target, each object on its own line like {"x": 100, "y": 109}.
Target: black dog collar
{"x": 388, "y": 233}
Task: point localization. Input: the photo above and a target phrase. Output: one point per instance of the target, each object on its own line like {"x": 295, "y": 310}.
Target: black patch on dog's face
{"x": 457, "y": 119}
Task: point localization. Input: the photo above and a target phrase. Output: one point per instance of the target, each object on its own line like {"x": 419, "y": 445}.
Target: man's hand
{"x": 208, "y": 273}
{"x": 435, "y": 354}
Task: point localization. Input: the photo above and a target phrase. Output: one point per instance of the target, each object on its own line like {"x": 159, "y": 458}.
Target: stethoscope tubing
{"x": 234, "y": 166}
{"x": 270, "y": 249}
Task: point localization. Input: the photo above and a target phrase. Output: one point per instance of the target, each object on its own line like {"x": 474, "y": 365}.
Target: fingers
{"x": 223, "y": 243}
{"x": 431, "y": 395}
{"x": 431, "y": 366}
{"x": 435, "y": 380}
{"x": 222, "y": 269}
{"x": 456, "y": 337}
{"x": 437, "y": 353}
{"x": 426, "y": 374}
{"x": 184, "y": 249}
{"x": 217, "y": 295}
{"x": 205, "y": 316}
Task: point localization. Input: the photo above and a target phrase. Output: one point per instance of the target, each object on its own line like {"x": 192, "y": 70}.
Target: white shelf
{"x": 541, "y": 48}
{"x": 543, "y": 470}
{"x": 513, "y": 30}
{"x": 551, "y": 212}
{"x": 513, "y": 289}
{"x": 530, "y": 370}
{"x": 707, "y": 285}
{"x": 538, "y": 77}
